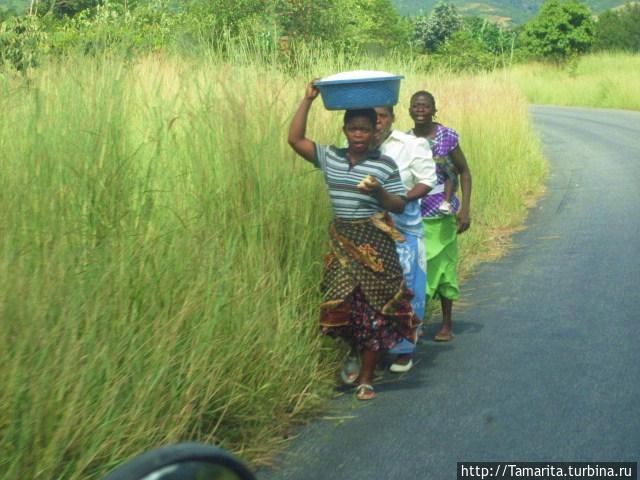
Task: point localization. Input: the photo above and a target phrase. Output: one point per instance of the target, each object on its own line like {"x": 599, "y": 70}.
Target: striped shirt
{"x": 342, "y": 180}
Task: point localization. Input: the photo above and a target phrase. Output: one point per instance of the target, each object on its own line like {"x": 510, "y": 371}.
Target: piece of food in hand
{"x": 367, "y": 182}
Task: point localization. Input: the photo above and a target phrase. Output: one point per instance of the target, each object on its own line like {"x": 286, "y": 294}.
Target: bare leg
{"x": 444, "y": 333}
{"x": 369, "y": 362}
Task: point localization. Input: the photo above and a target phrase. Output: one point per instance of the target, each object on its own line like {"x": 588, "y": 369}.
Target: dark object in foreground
{"x": 183, "y": 461}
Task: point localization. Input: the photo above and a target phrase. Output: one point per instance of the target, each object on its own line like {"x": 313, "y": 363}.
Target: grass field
{"x": 604, "y": 80}
{"x": 162, "y": 246}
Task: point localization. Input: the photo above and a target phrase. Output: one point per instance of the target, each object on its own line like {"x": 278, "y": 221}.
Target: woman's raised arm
{"x": 298, "y": 129}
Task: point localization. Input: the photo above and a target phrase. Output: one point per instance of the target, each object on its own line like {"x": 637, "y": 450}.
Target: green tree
{"x": 496, "y": 39}
{"x": 560, "y": 31}
{"x": 70, "y": 7}
{"x": 379, "y": 24}
{"x": 215, "y": 16}
{"x": 619, "y": 29}
{"x": 430, "y": 32}
{"x": 312, "y": 19}
{"x": 373, "y": 23}
{"x": 464, "y": 52}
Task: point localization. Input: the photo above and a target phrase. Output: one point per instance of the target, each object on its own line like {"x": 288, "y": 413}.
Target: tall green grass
{"x": 162, "y": 246}
{"x": 605, "y": 80}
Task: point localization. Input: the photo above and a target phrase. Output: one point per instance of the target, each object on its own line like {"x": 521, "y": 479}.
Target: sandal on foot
{"x": 364, "y": 391}
{"x": 443, "y": 337}
{"x": 401, "y": 367}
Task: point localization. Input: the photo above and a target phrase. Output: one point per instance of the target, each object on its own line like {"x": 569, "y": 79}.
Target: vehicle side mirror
{"x": 183, "y": 461}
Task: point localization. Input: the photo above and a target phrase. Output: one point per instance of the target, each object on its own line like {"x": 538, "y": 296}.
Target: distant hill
{"x": 14, "y": 5}
{"x": 501, "y": 11}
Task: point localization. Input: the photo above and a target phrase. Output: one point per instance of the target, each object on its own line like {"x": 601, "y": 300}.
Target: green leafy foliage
{"x": 22, "y": 40}
{"x": 378, "y": 23}
{"x": 129, "y": 27}
{"x": 72, "y": 7}
{"x": 464, "y": 52}
{"x": 307, "y": 19}
{"x": 496, "y": 39}
{"x": 363, "y": 23}
{"x": 560, "y": 31}
{"x": 619, "y": 29}
{"x": 218, "y": 15}
{"x": 431, "y": 31}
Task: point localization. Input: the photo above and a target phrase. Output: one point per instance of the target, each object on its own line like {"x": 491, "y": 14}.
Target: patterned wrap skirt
{"x": 365, "y": 300}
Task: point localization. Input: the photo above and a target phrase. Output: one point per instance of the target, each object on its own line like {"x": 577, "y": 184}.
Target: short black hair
{"x": 388, "y": 108}
{"x": 423, "y": 93}
{"x": 368, "y": 113}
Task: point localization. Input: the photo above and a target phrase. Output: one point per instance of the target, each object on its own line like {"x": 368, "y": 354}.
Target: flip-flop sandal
{"x": 443, "y": 337}
{"x": 365, "y": 392}
{"x": 401, "y": 367}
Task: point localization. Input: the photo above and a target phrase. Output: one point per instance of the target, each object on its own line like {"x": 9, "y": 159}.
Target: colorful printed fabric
{"x": 365, "y": 298}
{"x": 366, "y": 328}
{"x": 409, "y": 221}
{"x": 413, "y": 259}
{"x": 445, "y": 141}
{"x": 429, "y": 205}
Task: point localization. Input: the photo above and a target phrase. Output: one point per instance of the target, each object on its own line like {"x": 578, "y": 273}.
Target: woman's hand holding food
{"x": 369, "y": 185}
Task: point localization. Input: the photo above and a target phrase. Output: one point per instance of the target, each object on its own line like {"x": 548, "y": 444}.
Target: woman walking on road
{"x": 441, "y": 229}
{"x": 418, "y": 174}
{"x": 365, "y": 300}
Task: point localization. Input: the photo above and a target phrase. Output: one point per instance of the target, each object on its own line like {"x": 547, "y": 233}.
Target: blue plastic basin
{"x": 359, "y": 93}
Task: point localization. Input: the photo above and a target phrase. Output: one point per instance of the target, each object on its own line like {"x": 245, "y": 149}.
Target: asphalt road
{"x": 545, "y": 365}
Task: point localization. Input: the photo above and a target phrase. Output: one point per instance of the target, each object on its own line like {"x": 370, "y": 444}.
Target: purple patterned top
{"x": 446, "y": 139}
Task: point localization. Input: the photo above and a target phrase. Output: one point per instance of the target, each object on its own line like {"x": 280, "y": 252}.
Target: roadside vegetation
{"x": 604, "y": 80}
{"x": 161, "y": 243}
{"x": 162, "y": 248}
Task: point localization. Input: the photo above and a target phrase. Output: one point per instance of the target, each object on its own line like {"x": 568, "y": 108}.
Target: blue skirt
{"x": 413, "y": 260}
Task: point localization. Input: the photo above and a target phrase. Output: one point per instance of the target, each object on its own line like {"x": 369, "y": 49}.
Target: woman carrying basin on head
{"x": 364, "y": 297}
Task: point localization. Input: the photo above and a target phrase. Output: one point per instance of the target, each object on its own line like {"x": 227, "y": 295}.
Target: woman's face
{"x": 422, "y": 109}
{"x": 360, "y": 133}
{"x": 385, "y": 121}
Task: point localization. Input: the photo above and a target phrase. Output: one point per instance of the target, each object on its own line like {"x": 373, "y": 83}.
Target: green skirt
{"x": 440, "y": 236}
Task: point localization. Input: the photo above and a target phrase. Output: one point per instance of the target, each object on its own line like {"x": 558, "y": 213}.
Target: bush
{"x": 463, "y": 52}
{"x": 619, "y": 29}
{"x": 560, "y": 31}
{"x": 22, "y": 42}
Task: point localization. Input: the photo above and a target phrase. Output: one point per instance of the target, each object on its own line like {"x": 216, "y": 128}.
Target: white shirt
{"x": 416, "y": 165}
{"x": 413, "y": 157}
